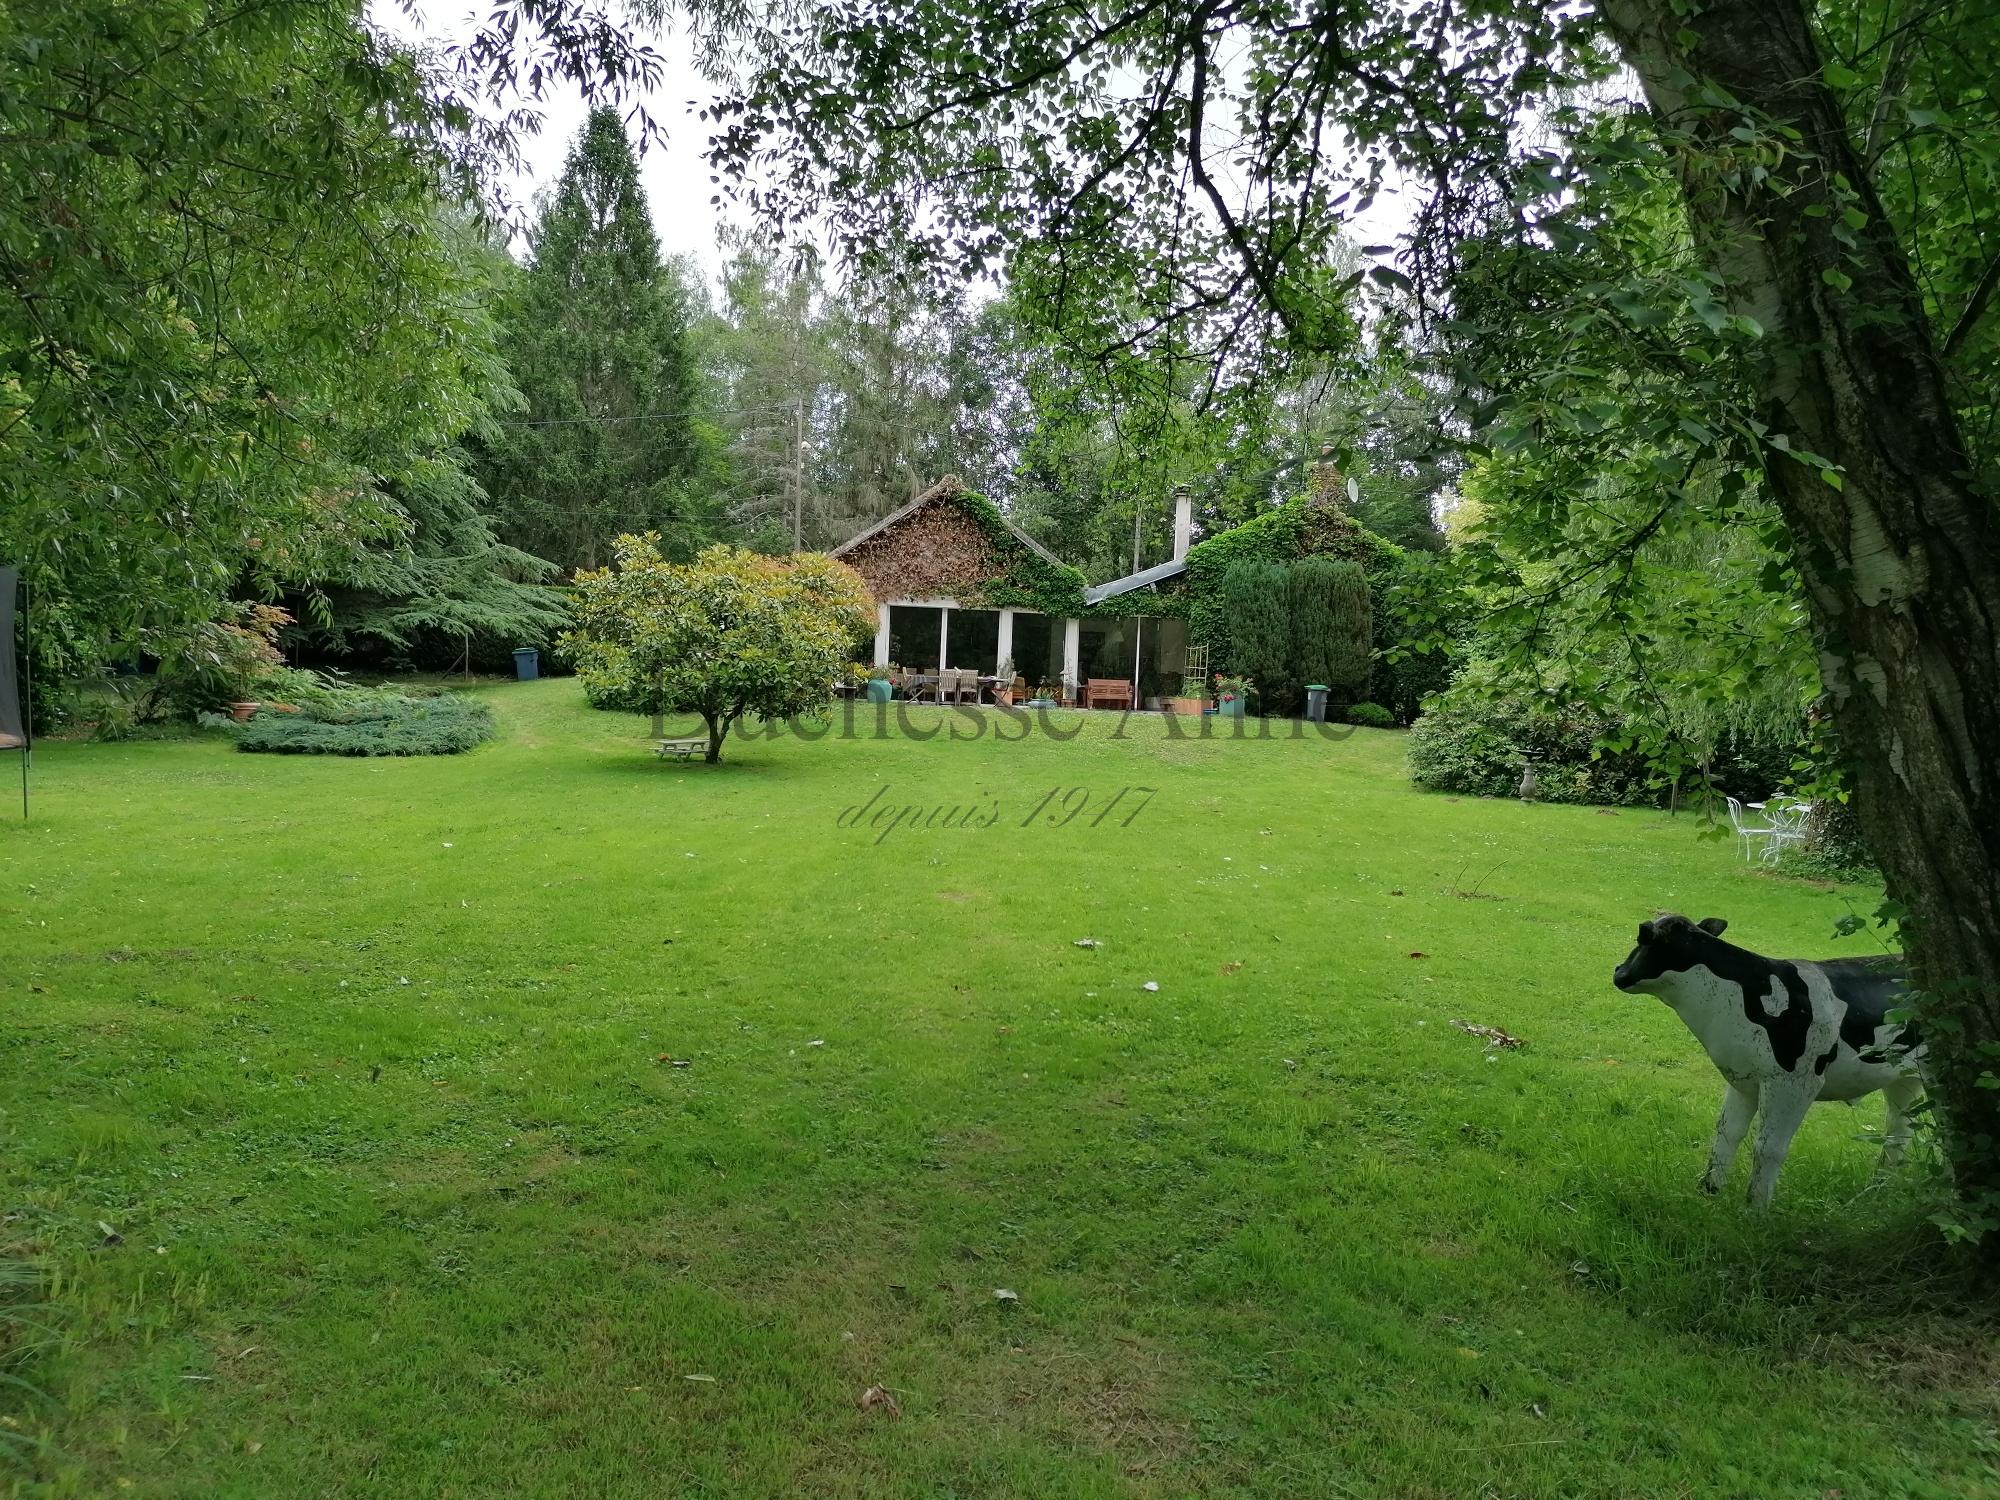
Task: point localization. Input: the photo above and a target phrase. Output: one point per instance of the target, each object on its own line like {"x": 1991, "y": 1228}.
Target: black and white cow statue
{"x": 1784, "y": 1033}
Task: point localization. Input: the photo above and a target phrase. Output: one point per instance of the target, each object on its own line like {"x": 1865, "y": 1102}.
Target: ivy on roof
{"x": 1027, "y": 579}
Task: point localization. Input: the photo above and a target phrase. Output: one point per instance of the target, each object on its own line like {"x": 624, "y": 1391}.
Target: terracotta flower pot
{"x": 241, "y": 712}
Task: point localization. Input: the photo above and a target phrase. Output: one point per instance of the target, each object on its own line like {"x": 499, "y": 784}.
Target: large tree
{"x": 596, "y": 337}
{"x": 728, "y": 634}
{"x": 1190, "y": 165}
{"x": 234, "y": 305}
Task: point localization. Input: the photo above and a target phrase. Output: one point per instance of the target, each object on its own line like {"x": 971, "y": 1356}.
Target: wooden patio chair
{"x": 1107, "y": 692}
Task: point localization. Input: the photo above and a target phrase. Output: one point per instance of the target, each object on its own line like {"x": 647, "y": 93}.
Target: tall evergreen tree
{"x": 596, "y": 335}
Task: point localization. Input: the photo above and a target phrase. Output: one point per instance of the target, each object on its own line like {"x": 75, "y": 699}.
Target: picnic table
{"x": 680, "y": 749}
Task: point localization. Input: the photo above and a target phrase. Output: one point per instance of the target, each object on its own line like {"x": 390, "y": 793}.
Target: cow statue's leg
{"x": 1739, "y": 1103}
{"x": 1782, "y": 1109}
{"x": 1899, "y": 1095}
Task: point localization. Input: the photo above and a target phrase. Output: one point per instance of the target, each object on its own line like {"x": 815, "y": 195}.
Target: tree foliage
{"x": 221, "y": 323}
{"x": 728, "y": 634}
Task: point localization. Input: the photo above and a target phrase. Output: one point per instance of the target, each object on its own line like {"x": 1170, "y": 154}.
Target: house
{"x": 957, "y": 585}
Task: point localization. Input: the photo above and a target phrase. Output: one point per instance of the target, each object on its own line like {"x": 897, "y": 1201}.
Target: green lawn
{"x": 363, "y": 1060}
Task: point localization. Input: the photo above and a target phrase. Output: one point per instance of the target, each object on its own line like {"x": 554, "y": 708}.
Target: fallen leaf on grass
{"x": 253, "y": 1447}
{"x": 876, "y": 1396}
{"x": 1151, "y": 984}
{"x": 1420, "y": 955}
{"x": 1470, "y": 1353}
{"x": 1001, "y": 1294}
{"x": 1395, "y": 893}
{"x": 1493, "y": 1034}
{"x": 704, "y": 1379}
{"x": 1232, "y": 967}
{"x": 111, "y": 1236}
{"x": 1289, "y": 1063}
{"x": 1086, "y": 943}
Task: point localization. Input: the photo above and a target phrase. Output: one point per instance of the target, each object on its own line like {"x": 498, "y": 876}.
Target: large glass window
{"x": 973, "y": 643}
{"x": 913, "y": 636}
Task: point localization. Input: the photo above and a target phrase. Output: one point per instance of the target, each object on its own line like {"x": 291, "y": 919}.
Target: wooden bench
{"x": 1107, "y": 692}
{"x": 680, "y": 749}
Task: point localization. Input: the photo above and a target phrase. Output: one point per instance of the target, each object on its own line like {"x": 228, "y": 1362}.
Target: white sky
{"x": 675, "y": 176}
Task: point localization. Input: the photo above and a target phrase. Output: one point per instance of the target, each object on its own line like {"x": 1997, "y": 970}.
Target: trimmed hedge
{"x": 371, "y": 723}
{"x": 1370, "y": 715}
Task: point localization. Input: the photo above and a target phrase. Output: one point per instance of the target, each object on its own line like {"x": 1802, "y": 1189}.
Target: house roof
{"x": 944, "y": 489}
{"x": 1159, "y": 573}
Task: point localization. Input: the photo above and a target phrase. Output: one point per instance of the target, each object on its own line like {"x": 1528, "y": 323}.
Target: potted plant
{"x": 880, "y": 688}
{"x": 1231, "y": 693}
{"x": 1003, "y": 688}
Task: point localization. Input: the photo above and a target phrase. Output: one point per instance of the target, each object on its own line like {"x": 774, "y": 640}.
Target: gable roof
{"x": 946, "y": 488}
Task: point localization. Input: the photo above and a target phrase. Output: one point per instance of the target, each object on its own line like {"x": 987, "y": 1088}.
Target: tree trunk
{"x": 1902, "y": 562}
{"x": 718, "y": 731}
{"x": 659, "y": 709}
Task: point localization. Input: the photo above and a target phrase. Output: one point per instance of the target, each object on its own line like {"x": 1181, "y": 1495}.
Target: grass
{"x": 369, "y": 1063}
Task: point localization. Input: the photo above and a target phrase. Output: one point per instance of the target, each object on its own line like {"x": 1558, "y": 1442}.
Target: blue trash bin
{"x": 527, "y": 664}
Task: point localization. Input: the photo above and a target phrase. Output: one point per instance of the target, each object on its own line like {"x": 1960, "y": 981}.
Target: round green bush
{"x": 1372, "y": 715}
{"x": 1475, "y": 746}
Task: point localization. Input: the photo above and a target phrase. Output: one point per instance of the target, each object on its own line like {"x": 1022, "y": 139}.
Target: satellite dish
{"x": 1353, "y": 492}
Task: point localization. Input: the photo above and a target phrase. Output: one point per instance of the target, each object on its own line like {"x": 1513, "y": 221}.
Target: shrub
{"x": 1332, "y": 625}
{"x": 1255, "y": 597}
{"x": 1475, "y": 746}
{"x": 1373, "y": 715}
{"x": 362, "y": 722}
{"x": 1834, "y": 848}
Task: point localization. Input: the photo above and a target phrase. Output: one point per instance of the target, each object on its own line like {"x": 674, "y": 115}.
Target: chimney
{"x": 1327, "y": 487}
{"x": 1183, "y": 521}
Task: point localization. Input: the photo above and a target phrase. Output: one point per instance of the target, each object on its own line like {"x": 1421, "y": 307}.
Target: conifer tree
{"x": 596, "y": 337}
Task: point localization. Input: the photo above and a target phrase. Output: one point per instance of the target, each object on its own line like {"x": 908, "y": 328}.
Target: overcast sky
{"x": 676, "y": 177}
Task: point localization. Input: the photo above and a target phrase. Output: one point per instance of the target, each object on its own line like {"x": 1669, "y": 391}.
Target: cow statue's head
{"x": 1671, "y": 944}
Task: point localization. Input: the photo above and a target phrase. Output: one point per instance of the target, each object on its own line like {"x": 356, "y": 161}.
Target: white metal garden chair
{"x": 1787, "y": 817}
{"x": 1747, "y": 833}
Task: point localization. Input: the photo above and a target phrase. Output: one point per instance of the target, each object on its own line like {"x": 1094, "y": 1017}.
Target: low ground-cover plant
{"x": 329, "y": 720}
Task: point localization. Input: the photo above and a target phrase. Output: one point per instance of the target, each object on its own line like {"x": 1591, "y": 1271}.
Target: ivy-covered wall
{"x": 1294, "y": 530}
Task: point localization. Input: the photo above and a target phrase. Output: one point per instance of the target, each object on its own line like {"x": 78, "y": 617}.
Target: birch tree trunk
{"x": 1902, "y": 562}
